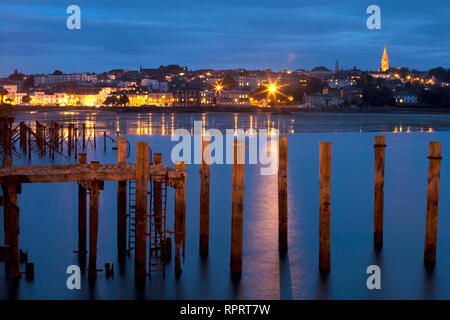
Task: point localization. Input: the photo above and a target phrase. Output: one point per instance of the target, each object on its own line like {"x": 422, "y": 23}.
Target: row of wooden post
{"x": 11, "y": 210}
{"x": 237, "y": 215}
{"x": 324, "y": 201}
{"x": 432, "y": 213}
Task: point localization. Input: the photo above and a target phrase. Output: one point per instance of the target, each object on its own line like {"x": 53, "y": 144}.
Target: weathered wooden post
{"x": 282, "y": 196}
{"x": 324, "y": 205}
{"x": 82, "y": 211}
{"x": 95, "y": 138}
{"x": 380, "y": 147}
{"x": 93, "y": 221}
{"x": 29, "y": 143}
{"x": 180, "y": 216}
{"x": 84, "y": 136}
{"x": 6, "y": 208}
{"x": 11, "y": 220}
{"x": 12, "y": 213}
{"x": 204, "y": 197}
{"x": 141, "y": 209}
{"x": 237, "y": 215}
{"x": 157, "y": 196}
{"x": 431, "y": 226}
{"x": 76, "y": 142}
{"x": 122, "y": 201}
{"x": 69, "y": 140}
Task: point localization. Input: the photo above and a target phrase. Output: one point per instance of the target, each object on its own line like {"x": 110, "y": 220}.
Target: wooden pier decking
{"x": 81, "y": 172}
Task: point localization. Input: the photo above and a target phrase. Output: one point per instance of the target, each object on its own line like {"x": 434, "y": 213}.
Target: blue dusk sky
{"x": 253, "y": 34}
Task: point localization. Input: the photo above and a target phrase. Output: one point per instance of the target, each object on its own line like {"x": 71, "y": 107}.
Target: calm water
{"x": 49, "y": 228}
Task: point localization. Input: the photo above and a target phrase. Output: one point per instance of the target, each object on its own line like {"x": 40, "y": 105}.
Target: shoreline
{"x": 231, "y": 109}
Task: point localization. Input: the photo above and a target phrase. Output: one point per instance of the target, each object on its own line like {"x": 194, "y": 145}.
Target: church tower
{"x": 384, "y": 61}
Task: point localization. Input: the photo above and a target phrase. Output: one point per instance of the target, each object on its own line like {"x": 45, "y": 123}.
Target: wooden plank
{"x": 380, "y": 147}
{"x": 141, "y": 209}
{"x": 204, "y": 197}
{"x": 93, "y": 227}
{"x": 82, "y": 208}
{"x": 431, "y": 226}
{"x": 13, "y": 227}
{"x": 121, "y": 201}
{"x": 75, "y": 173}
{"x": 180, "y": 218}
{"x": 324, "y": 205}
{"x": 282, "y": 196}
{"x": 237, "y": 214}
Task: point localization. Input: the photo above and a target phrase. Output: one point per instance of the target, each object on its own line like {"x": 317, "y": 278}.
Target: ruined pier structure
{"x": 90, "y": 177}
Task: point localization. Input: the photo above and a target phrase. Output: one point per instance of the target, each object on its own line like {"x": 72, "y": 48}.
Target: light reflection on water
{"x": 166, "y": 123}
{"x": 48, "y": 228}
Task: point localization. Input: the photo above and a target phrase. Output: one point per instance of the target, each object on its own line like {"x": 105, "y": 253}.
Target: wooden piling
{"x": 157, "y": 196}
{"x": 380, "y": 147}
{"x": 29, "y": 143}
{"x": 141, "y": 209}
{"x": 76, "y": 142}
{"x": 122, "y": 201}
{"x": 69, "y": 140}
{"x": 282, "y": 196}
{"x": 324, "y": 205}
{"x": 84, "y": 136}
{"x": 93, "y": 222}
{"x": 11, "y": 221}
{"x": 6, "y": 203}
{"x": 104, "y": 141}
{"x": 431, "y": 226}
{"x": 180, "y": 217}
{"x": 237, "y": 216}
{"x": 204, "y": 197}
{"x": 82, "y": 211}
{"x": 95, "y": 138}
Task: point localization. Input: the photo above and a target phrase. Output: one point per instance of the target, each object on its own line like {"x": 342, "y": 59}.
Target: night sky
{"x": 253, "y": 34}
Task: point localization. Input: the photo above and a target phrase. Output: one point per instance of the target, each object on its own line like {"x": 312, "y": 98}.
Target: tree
{"x": 16, "y": 76}
{"x": 123, "y": 100}
{"x": 440, "y": 74}
{"x": 111, "y": 101}
{"x": 26, "y": 99}
{"x": 58, "y": 73}
{"x": 228, "y": 82}
{"x": 438, "y": 96}
{"x": 28, "y": 83}
{"x": 315, "y": 85}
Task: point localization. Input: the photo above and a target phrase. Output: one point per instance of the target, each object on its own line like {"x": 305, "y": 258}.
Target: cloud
{"x": 220, "y": 34}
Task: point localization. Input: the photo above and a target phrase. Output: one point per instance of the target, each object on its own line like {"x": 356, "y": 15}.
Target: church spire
{"x": 384, "y": 61}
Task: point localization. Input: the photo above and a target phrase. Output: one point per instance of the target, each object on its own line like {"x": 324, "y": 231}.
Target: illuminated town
{"x": 175, "y": 85}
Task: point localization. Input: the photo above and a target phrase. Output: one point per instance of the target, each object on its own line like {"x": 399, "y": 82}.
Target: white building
{"x": 55, "y": 79}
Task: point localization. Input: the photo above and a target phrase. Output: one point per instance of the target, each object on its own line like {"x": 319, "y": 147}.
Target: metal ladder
{"x": 131, "y": 215}
{"x": 157, "y": 224}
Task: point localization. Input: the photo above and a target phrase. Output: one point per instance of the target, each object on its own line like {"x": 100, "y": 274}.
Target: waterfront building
{"x": 55, "y": 79}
